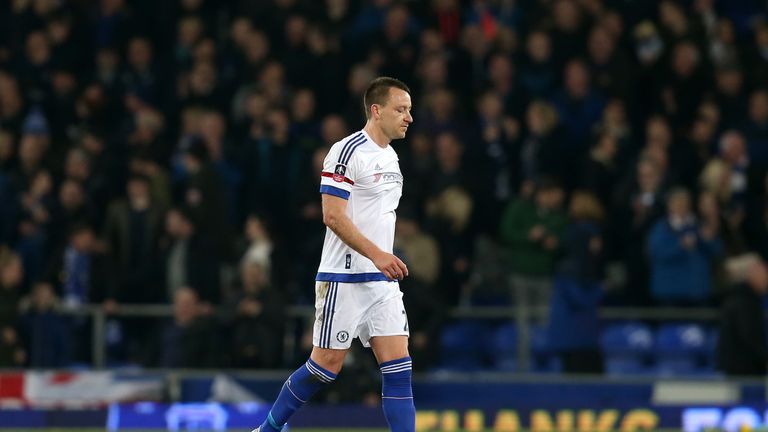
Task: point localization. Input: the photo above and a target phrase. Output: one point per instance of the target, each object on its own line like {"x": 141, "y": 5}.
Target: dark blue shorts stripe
{"x": 332, "y": 311}
{"x": 325, "y": 315}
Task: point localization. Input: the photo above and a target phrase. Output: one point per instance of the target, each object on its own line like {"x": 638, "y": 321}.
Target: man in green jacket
{"x": 531, "y": 230}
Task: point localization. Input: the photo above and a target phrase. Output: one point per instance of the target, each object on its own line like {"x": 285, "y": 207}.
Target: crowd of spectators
{"x": 170, "y": 152}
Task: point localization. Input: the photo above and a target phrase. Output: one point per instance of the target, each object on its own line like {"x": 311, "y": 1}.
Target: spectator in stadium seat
{"x": 35, "y": 208}
{"x": 681, "y": 253}
{"x": 78, "y": 273}
{"x": 756, "y": 222}
{"x": 741, "y": 348}
{"x": 189, "y": 341}
{"x": 569, "y": 32}
{"x": 700, "y": 140}
{"x": 11, "y": 277}
{"x": 188, "y": 259}
{"x": 579, "y": 107}
{"x": 755, "y": 128}
{"x": 538, "y": 72}
{"x": 421, "y": 290}
{"x": 449, "y": 211}
{"x": 33, "y": 148}
{"x": 638, "y": 204}
{"x": 70, "y": 209}
{"x": 756, "y": 58}
{"x": 687, "y": 83}
{"x": 146, "y": 134}
{"x": 608, "y": 66}
{"x": 159, "y": 181}
{"x": 259, "y": 246}
{"x": 730, "y": 95}
{"x": 131, "y": 235}
{"x": 418, "y": 163}
{"x": 213, "y": 130}
{"x": 541, "y": 145}
{"x": 615, "y": 121}
{"x": 12, "y": 105}
{"x": 601, "y": 172}
{"x": 576, "y": 292}
{"x": 272, "y": 164}
{"x": 204, "y": 193}
{"x": 439, "y": 114}
{"x": 257, "y": 320}
{"x": 77, "y": 270}
{"x": 141, "y": 77}
{"x": 45, "y": 331}
{"x": 532, "y": 231}
{"x": 493, "y": 157}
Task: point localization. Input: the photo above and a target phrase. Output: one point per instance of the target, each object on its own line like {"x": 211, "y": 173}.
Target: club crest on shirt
{"x": 339, "y": 172}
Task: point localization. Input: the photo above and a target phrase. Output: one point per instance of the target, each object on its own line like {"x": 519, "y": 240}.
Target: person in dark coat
{"x": 257, "y": 314}
{"x": 45, "y": 331}
{"x": 131, "y": 234}
{"x": 189, "y": 259}
{"x": 577, "y": 290}
{"x": 741, "y": 348}
{"x": 189, "y": 341}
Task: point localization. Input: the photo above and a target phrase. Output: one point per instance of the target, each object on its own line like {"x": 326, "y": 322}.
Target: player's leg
{"x": 396, "y": 392}
{"x": 320, "y": 369}
{"x": 387, "y": 335}
{"x": 332, "y": 313}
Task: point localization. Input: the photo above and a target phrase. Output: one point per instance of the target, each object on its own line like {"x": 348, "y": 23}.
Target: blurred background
{"x": 585, "y": 187}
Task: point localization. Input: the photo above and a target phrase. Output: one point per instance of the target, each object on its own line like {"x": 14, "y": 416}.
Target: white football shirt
{"x": 369, "y": 177}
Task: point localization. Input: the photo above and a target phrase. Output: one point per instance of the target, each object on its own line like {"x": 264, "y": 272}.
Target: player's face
{"x": 395, "y": 115}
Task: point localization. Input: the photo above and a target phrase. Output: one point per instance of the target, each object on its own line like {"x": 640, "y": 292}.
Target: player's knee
{"x": 330, "y": 360}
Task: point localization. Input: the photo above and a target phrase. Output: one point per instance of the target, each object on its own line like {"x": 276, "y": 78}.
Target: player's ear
{"x": 375, "y": 111}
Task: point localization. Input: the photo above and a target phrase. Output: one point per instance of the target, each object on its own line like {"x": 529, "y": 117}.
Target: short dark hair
{"x": 378, "y": 92}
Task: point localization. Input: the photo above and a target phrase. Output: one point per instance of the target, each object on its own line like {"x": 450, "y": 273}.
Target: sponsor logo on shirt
{"x": 388, "y": 177}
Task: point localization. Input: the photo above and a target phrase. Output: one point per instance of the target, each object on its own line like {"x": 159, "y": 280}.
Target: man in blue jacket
{"x": 681, "y": 252}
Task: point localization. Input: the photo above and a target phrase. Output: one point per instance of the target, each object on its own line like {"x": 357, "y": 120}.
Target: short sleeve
{"x": 339, "y": 168}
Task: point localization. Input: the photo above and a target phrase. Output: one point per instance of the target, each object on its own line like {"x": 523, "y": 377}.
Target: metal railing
{"x": 521, "y": 315}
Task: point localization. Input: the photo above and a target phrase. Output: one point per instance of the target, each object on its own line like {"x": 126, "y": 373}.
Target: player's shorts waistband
{"x": 351, "y": 277}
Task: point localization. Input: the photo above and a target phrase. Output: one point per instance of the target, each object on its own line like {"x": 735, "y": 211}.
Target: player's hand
{"x": 392, "y": 267}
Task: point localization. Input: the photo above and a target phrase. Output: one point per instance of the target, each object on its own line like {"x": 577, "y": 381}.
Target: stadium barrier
{"x": 522, "y": 317}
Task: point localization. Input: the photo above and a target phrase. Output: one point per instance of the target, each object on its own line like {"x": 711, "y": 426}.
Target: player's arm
{"x": 335, "y": 217}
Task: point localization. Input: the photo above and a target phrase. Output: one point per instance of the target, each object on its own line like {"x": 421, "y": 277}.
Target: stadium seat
{"x": 542, "y": 357}
{"x": 462, "y": 345}
{"x": 682, "y": 348}
{"x": 681, "y": 338}
{"x": 626, "y": 347}
{"x": 504, "y": 347}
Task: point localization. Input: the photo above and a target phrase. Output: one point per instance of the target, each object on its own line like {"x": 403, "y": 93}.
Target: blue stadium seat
{"x": 682, "y": 338}
{"x": 682, "y": 349}
{"x": 504, "y": 347}
{"x": 626, "y": 347}
{"x": 543, "y": 359}
{"x": 626, "y": 337}
{"x": 462, "y": 345}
